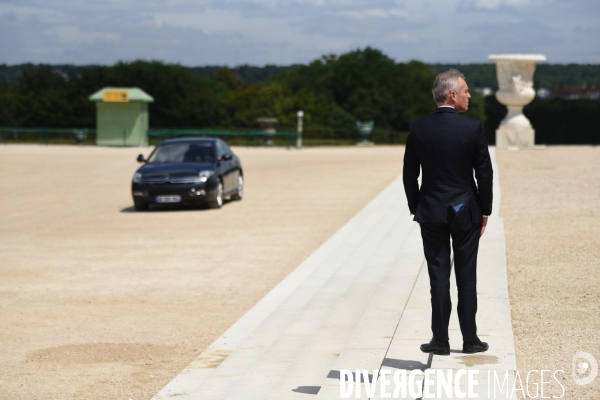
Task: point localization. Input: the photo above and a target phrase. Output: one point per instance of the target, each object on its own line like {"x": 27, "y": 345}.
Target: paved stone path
{"x": 361, "y": 301}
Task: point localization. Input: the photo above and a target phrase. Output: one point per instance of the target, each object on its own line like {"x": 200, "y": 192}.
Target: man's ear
{"x": 451, "y": 97}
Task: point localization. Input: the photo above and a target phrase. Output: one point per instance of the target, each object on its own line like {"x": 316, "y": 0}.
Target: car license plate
{"x": 168, "y": 199}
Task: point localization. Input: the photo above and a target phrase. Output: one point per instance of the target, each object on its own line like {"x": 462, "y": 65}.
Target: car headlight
{"x": 204, "y": 175}
{"x": 137, "y": 177}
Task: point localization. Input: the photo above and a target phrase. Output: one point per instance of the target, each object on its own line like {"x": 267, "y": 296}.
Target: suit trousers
{"x": 465, "y": 244}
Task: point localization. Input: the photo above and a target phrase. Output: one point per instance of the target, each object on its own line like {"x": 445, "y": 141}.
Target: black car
{"x": 188, "y": 171}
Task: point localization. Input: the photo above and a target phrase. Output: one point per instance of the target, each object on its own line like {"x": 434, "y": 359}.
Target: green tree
{"x": 244, "y": 106}
{"x": 363, "y": 85}
{"x": 8, "y": 102}
{"x": 227, "y": 79}
{"x": 181, "y": 100}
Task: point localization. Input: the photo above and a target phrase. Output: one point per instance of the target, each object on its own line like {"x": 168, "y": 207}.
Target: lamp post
{"x": 299, "y": 137}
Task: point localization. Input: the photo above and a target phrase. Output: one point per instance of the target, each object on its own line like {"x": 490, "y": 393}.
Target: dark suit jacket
{"x": 448, "y": 147}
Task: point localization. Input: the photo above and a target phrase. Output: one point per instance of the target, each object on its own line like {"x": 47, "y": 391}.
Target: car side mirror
{"x": 141, "y": 158}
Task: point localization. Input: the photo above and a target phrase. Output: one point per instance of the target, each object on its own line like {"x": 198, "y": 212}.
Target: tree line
{"x": 334, "y": 92}
{"x": 479, "y": 75}
{"x": 547, "y": 76}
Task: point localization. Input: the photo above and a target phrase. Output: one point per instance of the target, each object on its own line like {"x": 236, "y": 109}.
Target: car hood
{"x": 179, "y": 169}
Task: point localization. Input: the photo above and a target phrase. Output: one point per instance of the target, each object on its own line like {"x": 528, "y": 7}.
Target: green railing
{"x": 248, "y": 138}
{"x": 48, "y": 135}
{"x": 310, "y": 137}
{"x": 118, "y": 137}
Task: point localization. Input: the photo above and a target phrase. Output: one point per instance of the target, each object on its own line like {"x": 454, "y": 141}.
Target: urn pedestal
{"x": 267, "y": 125}
{"x": 364, "y": 130}
{"x": 515, "y": 82}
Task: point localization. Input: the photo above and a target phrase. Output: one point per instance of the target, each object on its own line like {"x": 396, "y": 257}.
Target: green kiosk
{"x": 121, "y": 116}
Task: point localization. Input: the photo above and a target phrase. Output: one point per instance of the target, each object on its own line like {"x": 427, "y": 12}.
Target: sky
{"x": 284, "y": 32}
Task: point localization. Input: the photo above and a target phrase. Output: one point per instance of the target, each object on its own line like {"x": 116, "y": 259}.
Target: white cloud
{"x": 493, "y": 4}
{"x": 21, "y": 13}
{"x": 383, "y": 13}
{"x": 210, "y": 21}
{"x": 289, "y": 31}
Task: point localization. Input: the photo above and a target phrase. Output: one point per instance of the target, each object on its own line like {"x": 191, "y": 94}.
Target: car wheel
{"x": 218, "y": 202}
{"x": 141, "y": 207}
{"x": 239, "y": 194}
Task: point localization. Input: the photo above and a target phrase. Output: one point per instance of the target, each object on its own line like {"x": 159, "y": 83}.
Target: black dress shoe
{"x": 439, "y": 348}
{"x": 475, "y": 346}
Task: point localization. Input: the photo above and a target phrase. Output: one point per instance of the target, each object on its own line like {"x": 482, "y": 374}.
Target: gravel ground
{"x": 98, "y": 301}
{"x": 551, "y": 211}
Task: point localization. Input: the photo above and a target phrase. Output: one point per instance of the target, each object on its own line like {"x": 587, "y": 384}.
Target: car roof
{"x": 190, "y": 140}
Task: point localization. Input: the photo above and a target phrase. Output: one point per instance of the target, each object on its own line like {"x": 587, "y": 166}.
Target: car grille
{"x": 152, "y": 193}
{"x": 159, "y": 180}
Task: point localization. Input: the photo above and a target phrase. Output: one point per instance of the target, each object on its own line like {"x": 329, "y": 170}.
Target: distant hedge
{"x": 333, "y": 91}
{"x": 556, "y": 121}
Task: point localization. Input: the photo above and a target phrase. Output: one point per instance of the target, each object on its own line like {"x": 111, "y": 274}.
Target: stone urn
{"x": 364, "y": 130}
{"x": 515, "y": 83}
{"x": 267, "y": 125}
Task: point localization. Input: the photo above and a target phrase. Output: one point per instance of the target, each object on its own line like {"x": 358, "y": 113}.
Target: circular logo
{"x": 584, "y": 364}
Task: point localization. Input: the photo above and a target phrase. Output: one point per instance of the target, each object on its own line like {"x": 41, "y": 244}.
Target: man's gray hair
{"x": 445, "y": 83}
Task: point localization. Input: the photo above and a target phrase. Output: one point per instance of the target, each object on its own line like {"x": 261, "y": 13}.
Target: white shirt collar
{"x": 445, "y": 105}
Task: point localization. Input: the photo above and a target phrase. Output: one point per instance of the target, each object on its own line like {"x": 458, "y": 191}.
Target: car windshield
{"x": 183, "y": 153}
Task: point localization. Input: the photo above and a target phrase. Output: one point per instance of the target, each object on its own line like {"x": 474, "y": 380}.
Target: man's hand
{"x": 483, "y": 224}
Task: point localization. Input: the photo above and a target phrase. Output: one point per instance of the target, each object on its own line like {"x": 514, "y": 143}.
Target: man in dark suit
{"x": 449, "y": 147}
